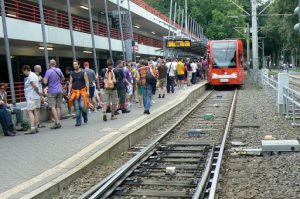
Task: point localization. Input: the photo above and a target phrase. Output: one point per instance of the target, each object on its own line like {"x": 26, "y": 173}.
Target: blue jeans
{"x": 170, "y": 84}
{"x": 194, "y": 78}
{"x": 147, "y": 91}
{"x": 19, "y": 115}
{"x": 79, "y": 106}
{"x": 5, "y": 120}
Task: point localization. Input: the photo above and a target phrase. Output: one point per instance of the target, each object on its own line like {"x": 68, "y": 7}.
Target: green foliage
{"x": 25, "y": 125}
{"x": 212, "y": 15}
{"x": 279, "y": 29}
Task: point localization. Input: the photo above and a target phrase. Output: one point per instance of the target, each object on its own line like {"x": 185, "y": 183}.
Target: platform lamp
{"x": 297, "y": 12}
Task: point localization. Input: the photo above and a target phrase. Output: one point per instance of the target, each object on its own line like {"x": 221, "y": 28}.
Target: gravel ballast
{"x": 268, "y": 176}
{"x": 88, "y": 180}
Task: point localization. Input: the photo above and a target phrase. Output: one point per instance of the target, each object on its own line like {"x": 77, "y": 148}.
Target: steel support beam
{"x": 93, "y": 40}
{"x": 7, "y": 51}
{"x": 42, "y": 20}
{"x": 121, "y": 30}
{"x": 71, "y": 30}
{"x": 108, "y": 30}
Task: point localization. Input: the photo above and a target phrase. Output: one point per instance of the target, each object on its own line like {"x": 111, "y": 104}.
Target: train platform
{"x": 32, "y": 164}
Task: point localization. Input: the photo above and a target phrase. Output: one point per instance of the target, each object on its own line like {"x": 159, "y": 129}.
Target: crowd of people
{"x": 123, "y": 84}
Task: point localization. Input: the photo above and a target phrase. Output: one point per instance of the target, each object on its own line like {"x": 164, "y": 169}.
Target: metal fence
{"x": 291, "y": 97}
{"x": 270, "y": 85}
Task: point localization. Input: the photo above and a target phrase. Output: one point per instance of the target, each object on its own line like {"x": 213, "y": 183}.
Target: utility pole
{"x": 254, "y": 40}
{"x": 170, "y": 17}
{"x": 248, "y": 46}
{"x": 263, "y": 53}
{"x": 175, "y": 18}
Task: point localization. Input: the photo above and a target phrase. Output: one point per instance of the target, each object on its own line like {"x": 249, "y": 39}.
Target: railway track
{"x": 184, "y": 162}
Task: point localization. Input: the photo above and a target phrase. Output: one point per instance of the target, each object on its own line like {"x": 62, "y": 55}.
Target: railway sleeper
{"x": 187, "y": 183}
{"x": 155, "y": 193}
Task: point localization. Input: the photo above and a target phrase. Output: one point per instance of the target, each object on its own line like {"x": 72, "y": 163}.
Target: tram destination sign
{"x": 178, "y": 43}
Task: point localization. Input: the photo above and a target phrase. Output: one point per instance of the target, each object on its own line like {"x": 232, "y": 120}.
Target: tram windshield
{"x": 224, "y": 54}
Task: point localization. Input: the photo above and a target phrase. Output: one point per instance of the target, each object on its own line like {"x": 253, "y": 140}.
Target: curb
{"x": 121, "y": 141}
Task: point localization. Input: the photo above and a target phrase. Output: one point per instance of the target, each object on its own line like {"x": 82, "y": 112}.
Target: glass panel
{"x": 224, "y": 54}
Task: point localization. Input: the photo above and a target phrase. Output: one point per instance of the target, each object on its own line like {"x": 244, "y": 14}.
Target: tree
{"x": 212, "y": 15}
{"x": 279, "y": 29}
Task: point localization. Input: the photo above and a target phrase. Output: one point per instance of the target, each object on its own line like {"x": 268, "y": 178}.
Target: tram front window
{"x": 224, "y": 54}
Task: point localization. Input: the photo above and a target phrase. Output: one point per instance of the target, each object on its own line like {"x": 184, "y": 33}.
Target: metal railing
{"x": 30, "y": 12}
{"x": 291, "y": 105}
{"x": 291, "y": 98}
{"x": 152, "y": 10}
{"x": 270, "y": 85}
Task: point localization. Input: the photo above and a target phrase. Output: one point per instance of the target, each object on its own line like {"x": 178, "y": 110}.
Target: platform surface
{"x": 33, "y": 159}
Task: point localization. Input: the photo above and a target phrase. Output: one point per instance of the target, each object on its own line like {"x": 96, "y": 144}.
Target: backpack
{"x": 109, "y": 79}
{"x": 150, "y": 79}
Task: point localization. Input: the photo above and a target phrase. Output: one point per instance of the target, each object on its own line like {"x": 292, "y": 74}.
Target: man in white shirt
{"x": 172, "y": 67}
{"x": 194, "y": 72}
{"x": 32, "y": 96}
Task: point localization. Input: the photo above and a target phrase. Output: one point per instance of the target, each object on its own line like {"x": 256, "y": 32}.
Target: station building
{"x": 26, "y": 40}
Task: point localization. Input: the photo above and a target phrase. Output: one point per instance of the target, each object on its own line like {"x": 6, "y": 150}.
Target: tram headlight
{"x": 234, "y": 75}
{"x": 214, "y": 76}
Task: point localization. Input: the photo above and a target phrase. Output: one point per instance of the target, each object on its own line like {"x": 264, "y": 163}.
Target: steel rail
{"x": 212, "y": 192}
{"x": 200, "y": 190}
{"x": 99, "y": 189}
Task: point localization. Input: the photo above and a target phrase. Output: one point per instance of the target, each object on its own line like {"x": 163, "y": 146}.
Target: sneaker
{"x": 9, "y": 133}
{"x": 19, "y": 129}
{"x": 85, "y": 120}
{"x": 36, "y": 130}
{"x": 163, "y": 96}
{"x": 159, "y": 96}
{"x": 78, "y": 124}
{"x": 41, "y": 126}
{"x": 125, "y": 111}
{"x": 147, "y": 112}
{"x": 56, "y": 126}
{"x": 30, "y": 131}
{"x": 113, "y": 117}
{"x": 116, "y": 113}
{"x": 153, "y": 101}
{"x": 89, "y": 111}
{"x": 104, "y": 117}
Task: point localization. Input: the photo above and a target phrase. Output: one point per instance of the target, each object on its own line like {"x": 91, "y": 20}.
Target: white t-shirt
{"x": 30, "y": 93}
{"x": 173, "y": 68}
{"x": 194, "y": 67}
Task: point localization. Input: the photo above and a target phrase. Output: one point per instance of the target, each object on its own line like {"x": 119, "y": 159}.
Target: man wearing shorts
{"x": 162, "y": 79}
{"x": 110, "y": 94}
{"x": 92, "y": 83}
{"x": 32, "y": 96}
{"x": 180, "y": 73}
{"x": 121, "y": 86}
{"x": 53, "y": 78}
